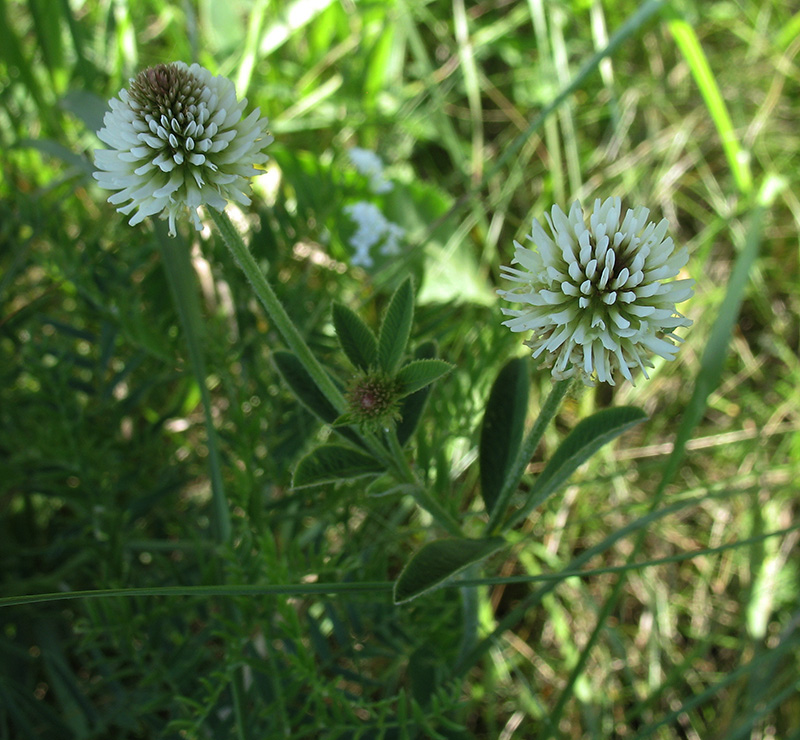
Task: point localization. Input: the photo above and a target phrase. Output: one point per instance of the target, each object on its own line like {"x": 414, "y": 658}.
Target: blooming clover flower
{"x": 178, "y": 140}
{"x": 595, "y": 295}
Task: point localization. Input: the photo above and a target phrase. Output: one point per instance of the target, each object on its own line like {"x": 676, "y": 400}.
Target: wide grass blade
{"x": 713, "y": 361}
{"x": 550, "y": 580}
{"x": 623, "y": 34}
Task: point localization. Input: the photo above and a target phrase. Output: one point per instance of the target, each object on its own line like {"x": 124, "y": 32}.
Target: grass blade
{"x": 712, "y": 363}
{"x": 689, "y": 45}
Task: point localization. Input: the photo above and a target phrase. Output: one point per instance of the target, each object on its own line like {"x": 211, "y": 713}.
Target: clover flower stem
{"x": 423, "y": 499}
{"x": 707, "y": 380}
{"x": 284, "y": 324}
{"x": 272, "y": 305}
{"x": 178, "y": 268}
{"x": 470, "y": 619}
{"x": 548, "y": 411}
{"x": 179, "y": 273}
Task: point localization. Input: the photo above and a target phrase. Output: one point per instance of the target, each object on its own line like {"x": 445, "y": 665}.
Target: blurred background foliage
{"x": 103, "y": 454}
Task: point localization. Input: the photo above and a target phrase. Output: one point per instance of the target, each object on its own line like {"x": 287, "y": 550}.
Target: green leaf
{"x": 396, "y": 327}
{"x": 387, "y": 485}
{"x": 54, "y": 149}
{"x": 411, "y": 407}
{"x": 689, "y": 45}
{"x": 333, "y": 463}
{"x": 303, "y": 385}
{"x": 438, "y": 561}
{"x": 502, "y": 429}
{"x": 87, "y": 106}
{"x": 420, "y": 373}
{"x": 581, "y": 443}
{"x": 355, "y": 337}
{"x": 348, "y": 418}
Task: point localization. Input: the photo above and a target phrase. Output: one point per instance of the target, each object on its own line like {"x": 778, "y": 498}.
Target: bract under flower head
{"x": 178, "y": 140}
{"x": 595, "y": 295}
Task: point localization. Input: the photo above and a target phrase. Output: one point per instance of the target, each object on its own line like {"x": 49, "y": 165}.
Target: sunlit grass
{"x": 104, "y": 454}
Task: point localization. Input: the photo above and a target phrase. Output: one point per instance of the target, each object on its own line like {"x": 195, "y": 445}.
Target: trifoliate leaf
{"x": 420, "y": 373}
{"x": 333, "y": 463}
{"x": 438, "y": 561}
{"x": 396, "y": 327}
{"x": 355, "y": 337}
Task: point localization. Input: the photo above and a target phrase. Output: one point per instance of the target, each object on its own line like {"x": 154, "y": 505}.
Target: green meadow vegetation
{"x": 177, "y": 557}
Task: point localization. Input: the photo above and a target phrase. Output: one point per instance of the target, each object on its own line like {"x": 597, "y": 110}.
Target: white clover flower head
{"x": 178, "y": 141}
{"x": 596, "y": 296}
{"x": 373, "y": 227}
{"x": 368, "y": 163}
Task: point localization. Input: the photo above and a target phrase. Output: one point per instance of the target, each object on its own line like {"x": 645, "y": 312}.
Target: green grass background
{"x": 486, "y": 114}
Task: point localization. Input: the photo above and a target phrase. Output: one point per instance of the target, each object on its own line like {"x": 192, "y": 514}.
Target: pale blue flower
{"x": 373, "y": 228}
{"x": 370, "y": 164}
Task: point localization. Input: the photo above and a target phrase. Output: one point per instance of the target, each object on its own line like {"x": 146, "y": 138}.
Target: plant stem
{"x": 424, "y": 500}
{"x": 512, "y": 481}
{"x": 178, "y": 267}
{"x": 707, "y": 380}
{"x": 470, "y": 606}
{"x": 272, "y": 305}
{"x": 297, "y": 344}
